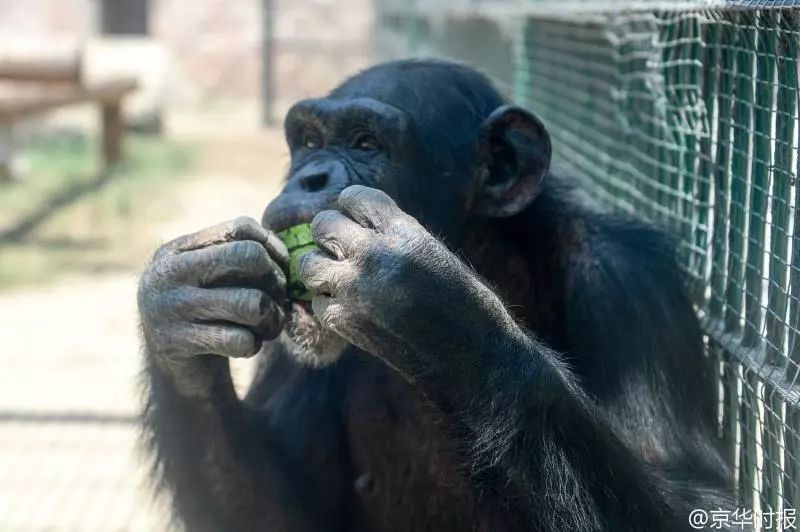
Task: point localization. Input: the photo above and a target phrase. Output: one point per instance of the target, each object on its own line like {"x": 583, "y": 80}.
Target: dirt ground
{"x": 69, "y": 392}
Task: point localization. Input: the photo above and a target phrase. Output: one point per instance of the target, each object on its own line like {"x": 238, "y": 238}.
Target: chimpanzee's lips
{"x": 314, "y": 345}
{"x": 286, "y": 211}
{"x": 303, "y": 313}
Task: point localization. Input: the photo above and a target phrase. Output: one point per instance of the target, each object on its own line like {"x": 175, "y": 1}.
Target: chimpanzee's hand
{"x": 218, "y": 291}
{"x": 389, "y": 287}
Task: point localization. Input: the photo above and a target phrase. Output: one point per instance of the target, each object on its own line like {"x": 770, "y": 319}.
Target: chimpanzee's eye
{"x": 366, "y": 142}
{"x": 311, "y": 139}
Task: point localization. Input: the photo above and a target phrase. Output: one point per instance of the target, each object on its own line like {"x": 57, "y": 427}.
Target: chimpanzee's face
{"x": 437, "y": 138}
{"x": 336, "y": 143}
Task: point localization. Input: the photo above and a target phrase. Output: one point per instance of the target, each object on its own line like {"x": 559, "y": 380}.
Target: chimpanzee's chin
{"x": 316, "y": 346}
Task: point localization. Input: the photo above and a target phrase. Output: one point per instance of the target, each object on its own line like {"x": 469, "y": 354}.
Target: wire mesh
{"x": 689, "y": 117}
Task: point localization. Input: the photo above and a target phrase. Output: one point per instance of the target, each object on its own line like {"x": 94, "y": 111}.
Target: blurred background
{"x": 125, "y": 123}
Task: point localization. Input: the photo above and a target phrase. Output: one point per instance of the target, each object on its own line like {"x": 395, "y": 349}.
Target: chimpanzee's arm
{"x": 395, "y": 291}
{"x": 636, "y": 341}
{"x": 564, "y": 466}
{"x": 216, "y": 292}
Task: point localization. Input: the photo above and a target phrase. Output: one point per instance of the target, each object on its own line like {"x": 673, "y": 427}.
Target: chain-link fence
{"x": 687, "y": 114}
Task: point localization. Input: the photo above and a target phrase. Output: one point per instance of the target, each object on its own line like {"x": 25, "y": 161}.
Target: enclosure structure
{"x": 685, "y": 113}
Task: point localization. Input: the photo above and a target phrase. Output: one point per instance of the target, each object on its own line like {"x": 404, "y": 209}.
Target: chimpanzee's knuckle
{"x": 245, "y": 227}
{"x": 354, "y": 194}
{"x": 244, "y": 222}
{"x": 249, "y": 345}
{"x": 313, "y": 268}
{"x": 324, "y": 224}
{"x": 229, "y": 230}
{"x": 339, "y": 282}
{"x": 162, "y": 253}
{"x": 324, "y": 217}
{"x": 369, "y": 201}
{"x": 164, "y": 270}
{"x": 247, "y": 252}
{"x": 334, "y": 317}
{"x": 328, "y": 319}
{"x": 261, "y": 264}
{"x": 316, "y": 279}
{"x": 207, "y": 340}
{"x": 240, "y": 343}
{"x": 335, "y": 247}
{"x": 271, "y": 323}
{"x": 249, "y": 304}
{"x": 224, "y": 341}
{"x": 306, "y": 266}
{"x": 251, "y": 250}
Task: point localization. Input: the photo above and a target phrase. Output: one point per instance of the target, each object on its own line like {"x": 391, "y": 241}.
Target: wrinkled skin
{"x": 375, "y": 253}
{"x": 190, "y": 306}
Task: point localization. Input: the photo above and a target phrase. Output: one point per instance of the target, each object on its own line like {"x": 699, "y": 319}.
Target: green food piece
{"x": 299, "y": 242}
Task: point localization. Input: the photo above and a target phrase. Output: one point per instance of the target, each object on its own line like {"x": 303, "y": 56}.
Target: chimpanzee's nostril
{"x": 314, "y": 182}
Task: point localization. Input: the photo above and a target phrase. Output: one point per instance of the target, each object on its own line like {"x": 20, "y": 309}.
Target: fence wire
{"x": 689, "y": 117}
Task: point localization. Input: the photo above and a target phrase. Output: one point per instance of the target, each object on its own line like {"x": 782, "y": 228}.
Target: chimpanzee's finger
{"x": 240, "y": 306}
{"x": 240, "y": 229}
{"x": 370, "y": 207}
{"x": 218, "y": 339}
{"x": 337, "y": 234}
{"x": 323, "y": 275}
{"x": 328, "y": 311}
{"x": 238, "y": 263}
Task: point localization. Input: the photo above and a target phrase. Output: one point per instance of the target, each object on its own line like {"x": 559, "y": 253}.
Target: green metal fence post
{"x": 786, "y": 125}
{"x": 722, "y": 38}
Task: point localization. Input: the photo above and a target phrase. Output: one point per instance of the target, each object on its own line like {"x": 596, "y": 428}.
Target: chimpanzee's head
{"x": 436, "y": 136}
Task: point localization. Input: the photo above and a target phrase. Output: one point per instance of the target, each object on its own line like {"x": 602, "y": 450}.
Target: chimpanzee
{"x": 485, "y": 350}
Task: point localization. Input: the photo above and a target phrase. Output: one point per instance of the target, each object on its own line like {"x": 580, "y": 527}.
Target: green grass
{"x": 81, "y": 221}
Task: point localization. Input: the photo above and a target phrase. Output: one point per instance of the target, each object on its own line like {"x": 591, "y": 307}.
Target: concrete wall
{"x": 318, "y": 42}
{"x": 213, "y": 48}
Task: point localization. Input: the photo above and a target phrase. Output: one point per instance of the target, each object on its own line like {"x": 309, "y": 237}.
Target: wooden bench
{"x": 50, "y": 85}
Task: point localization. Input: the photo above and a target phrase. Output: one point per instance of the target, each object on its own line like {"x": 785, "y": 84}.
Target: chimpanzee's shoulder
{"x": 576, "y": 210}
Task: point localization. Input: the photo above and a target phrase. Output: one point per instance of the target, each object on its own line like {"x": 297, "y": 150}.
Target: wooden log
{"x": 39, "y": 69}
{"x": 18, "y": 107}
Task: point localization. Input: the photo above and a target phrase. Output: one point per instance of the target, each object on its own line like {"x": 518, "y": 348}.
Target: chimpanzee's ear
{"x": 513, "y": 158}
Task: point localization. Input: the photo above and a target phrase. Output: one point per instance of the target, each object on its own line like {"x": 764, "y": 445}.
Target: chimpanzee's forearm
{"x": 223, "y": 470}
{"x": 528, "y": 420}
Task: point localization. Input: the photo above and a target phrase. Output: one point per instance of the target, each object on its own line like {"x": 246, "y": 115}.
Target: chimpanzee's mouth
{"x": 303, "y": 314}
{"x": 315, "y": 345}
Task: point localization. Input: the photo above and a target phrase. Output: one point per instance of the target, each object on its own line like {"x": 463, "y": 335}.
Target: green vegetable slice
{"x": 299, "y": 242}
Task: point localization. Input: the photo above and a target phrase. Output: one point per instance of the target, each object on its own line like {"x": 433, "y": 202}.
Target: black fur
{"x": 603, "y": 418}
